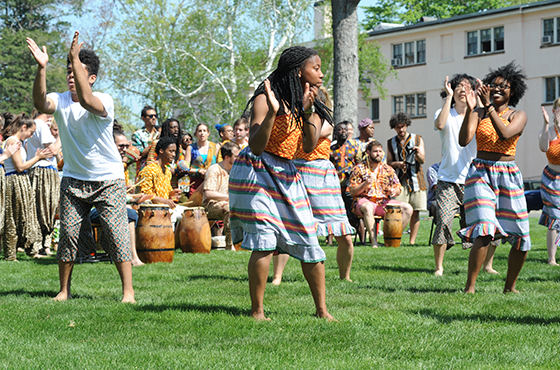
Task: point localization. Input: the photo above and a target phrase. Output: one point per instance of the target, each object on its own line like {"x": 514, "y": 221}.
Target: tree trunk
{"x": 346, "y": 74}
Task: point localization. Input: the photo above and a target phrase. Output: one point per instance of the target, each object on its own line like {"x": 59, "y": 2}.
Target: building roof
{"x": 386, "y": 30}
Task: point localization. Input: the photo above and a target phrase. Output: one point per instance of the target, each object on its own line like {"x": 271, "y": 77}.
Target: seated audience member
{"x": 226, "y": 134}
{"x": 215, "y": 188}
{"x": 373, "y": 184}
{"x": 432, "y": 184}
{"x": 155, "y": 178}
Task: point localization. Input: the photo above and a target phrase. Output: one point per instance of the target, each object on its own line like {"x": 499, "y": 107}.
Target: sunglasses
{"x": 124, "y": 146}
{"x": 151, "y": 115}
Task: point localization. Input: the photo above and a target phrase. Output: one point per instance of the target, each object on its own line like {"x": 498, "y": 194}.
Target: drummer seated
{"x": 372, "y": 185}
{"x": 215, "y": 188}
{"x": 155, "y": 179}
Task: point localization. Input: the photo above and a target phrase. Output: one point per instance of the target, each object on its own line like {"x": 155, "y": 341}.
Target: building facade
{"x": 425, "y": 53}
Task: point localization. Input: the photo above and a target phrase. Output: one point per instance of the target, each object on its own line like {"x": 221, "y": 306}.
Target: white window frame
{"x": 478, "y": 36}
{"x": 556, "y": 91}
{"x": 555, "y": 31}
{"x": 408, "y": 100}
{"x": 413, "y": 52}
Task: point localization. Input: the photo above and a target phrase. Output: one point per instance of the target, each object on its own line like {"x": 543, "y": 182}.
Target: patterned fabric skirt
{"x": 269, "y": 207}
{"x": 550, "y": 194}
{"x": 323, "y": 189}
{"x": 21, "y": 228}
{"x": 46, "y": 184}
{"x": 495, "y": 204}
{"x": 2, "y": 199}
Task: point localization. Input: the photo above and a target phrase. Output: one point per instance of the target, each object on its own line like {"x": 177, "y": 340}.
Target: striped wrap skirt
{"x": 269, "y": 207}
{"x": 46, "y": 184}
{"x": 550, "y": 194}
{"x": 495, "y": 204}
{"x": 21, "y": 228}
{"x": 323, "y": 189}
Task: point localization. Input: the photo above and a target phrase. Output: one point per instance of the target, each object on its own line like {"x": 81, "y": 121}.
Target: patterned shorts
{"x": 76, "y": 199}
{"x": 449, "y": 202}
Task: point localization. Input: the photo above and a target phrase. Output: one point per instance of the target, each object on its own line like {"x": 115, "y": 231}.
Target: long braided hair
{"x": 166, "y": 132}
{"x": 286, "y": 85}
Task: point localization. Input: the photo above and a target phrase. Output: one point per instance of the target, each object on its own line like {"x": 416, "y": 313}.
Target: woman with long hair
{"x": 200, "y": 156}
{"x": 21, "y": 228}
{"x": 494, "y": 200}
{"x": 269, "y": 205}
{"x": 549, "y": 142}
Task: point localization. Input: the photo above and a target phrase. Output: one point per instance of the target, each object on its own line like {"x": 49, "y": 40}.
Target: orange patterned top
{"x": 553, "y": 152}
{"x": 284, "y": 137}
{"x": 487, "y": 139}
{"x": 154, "y": 181}
{"x": 321, "y": 151}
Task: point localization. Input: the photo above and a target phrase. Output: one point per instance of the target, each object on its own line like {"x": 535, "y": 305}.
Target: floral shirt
{"x": 141, "y": 139}
{"x": 384, "y": 184}
{"x": 344, "y": 158}
{"x": 154, "y": 181}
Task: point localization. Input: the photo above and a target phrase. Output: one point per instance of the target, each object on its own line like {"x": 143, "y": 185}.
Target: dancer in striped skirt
{"x": 549, "y": 142}
{"x": 323, "y": 188}
{"x": 268, "y": 202}
{"x": 494, "y": 201}
{"x": 21, "y": 228}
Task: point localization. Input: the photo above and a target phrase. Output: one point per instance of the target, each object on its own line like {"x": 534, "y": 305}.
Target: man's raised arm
{"x": 40, "y": 99}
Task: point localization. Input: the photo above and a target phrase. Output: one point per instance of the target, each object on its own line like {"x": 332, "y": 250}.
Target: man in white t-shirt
{"x": 455, "y": 163}
{"x": 44, "y": 179}
{"x": 93, "y": 170}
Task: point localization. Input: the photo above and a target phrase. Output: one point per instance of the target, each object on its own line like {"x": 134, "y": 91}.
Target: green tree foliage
{"x": 38, "y": 19}
{"x": 410, "y": 11}
{"x": 200, "y": 59}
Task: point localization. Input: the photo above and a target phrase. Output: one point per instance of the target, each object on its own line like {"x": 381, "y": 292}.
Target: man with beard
{"x": 373, "y": 184}
{"x": 405, "y": 153}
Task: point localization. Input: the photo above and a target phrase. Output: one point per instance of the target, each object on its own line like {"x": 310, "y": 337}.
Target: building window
{"x": 551, "y": 89}
{"x": 375, "y": 109}
{"x": 551, "y": 31}
{"x": 412, "y": 104}
{"x": 484, "y": 41}
{"x": 414, "y": 53}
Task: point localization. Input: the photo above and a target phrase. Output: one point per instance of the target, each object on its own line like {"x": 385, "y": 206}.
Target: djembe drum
{"x": 155, "y": 241}
{"x": 193, "y": 234}
{"x": 392, "y": 226}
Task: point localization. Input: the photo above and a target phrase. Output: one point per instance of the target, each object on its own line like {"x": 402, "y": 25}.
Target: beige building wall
{"x": 446, "y": 50}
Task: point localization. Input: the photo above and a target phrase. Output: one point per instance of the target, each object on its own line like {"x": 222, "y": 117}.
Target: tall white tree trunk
{"x": 346, "y": 73}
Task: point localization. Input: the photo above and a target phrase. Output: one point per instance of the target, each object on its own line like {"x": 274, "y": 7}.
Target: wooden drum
{"x": 193, "y": 234}
{"x": 155, "y": 241}
{"x": 392, "y": 226}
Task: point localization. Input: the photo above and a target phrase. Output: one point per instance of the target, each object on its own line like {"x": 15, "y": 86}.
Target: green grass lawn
{"x": 194, "y": 314}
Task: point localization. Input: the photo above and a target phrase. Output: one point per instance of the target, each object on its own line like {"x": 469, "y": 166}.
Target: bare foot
{"x": 21, "y": 250}
{"x": 513, "y": 290}
{"x": 439, "y": 272}
{"x": 259, "y": 316}
{"x": 490, "y": 270}
{"x": 469, "y": 291}
{"x": 347, "y": 279}
{"x": 61, "y": 296}
{"x": 48, "y": 252}
{"x": 39, "y": 255}
{"x": 128, "y": 299}
{"x": 374, "y": 246}
{"x": 326, "y": 315}
{"x": 553, "y": 263}
{"x": 276, "y": 281}
{"x": 137, "y": 262}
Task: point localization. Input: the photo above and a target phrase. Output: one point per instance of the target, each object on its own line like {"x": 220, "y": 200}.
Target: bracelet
{"x": 310, "y": 111}
{"x": 490, "y": 110}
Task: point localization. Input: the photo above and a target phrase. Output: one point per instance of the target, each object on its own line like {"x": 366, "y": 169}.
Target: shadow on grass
{"x": 486, "y": 318}
{"x": 217, "y": 277}
{"x": 40, "y": 294}
{"x": 386, "y": 289}
{"x": 194, "y": 307}
{"x": 402, "y": 269}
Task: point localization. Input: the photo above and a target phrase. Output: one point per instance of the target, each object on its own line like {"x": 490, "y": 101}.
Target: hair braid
{"x": 286, "y": 85}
